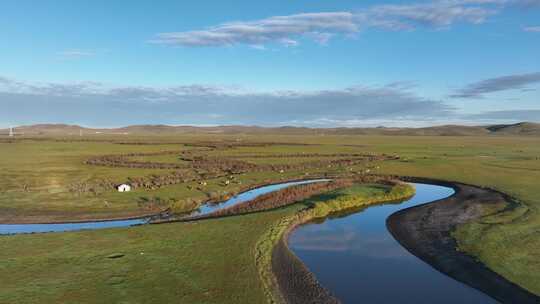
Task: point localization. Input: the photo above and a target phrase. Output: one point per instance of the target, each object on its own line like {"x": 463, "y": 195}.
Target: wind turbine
{"x": 12, "y": 132}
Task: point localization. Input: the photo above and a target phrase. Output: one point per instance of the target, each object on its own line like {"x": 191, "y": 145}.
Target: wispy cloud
{"x": 98, "y": 104}
{"x": 534, "y": 29}
{"x": 504, "y": 83}
{"x": 211, "y": 104}
{"x": 281, "y": 29}
{"x": 322, "y": 26}
{"x": 525, "y": 3}
{"x": 508, "y": 115}
{"x": 438, "y": 14}
{"x": 76, "y": 54}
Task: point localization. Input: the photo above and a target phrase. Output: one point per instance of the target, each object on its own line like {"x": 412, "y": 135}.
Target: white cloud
{"x": 497, "y": 84}
{"x": 210, "y": 104}
{"x": 525, "y": 3}
{"x": 534, "y": 29}
{"x": 508, "y": 115}
{"x": 97, "y": 104}
{"x": 76, "y": 54}
{"x": 434, "y": 15}
{"x": 281, "y": 29}
{"x": 322, "y": 26}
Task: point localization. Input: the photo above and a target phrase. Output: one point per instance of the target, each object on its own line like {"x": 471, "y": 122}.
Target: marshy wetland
{"x": 219, "y": 260}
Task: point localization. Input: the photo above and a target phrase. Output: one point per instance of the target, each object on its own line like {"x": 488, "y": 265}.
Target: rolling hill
{"x": 518, "y": 129}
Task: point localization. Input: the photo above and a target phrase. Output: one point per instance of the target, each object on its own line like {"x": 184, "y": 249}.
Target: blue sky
{"x": 314, "y": 63}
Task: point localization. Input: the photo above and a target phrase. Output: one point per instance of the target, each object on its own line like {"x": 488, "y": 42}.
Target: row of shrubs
{"x": 300, "y": 155}
{"x": 239, "y": 144}
{"x": 94, "y": 187}
{"x": 297, "y": 193}
{"x": 213, "y": 164}
{"x": 230, "y": 162}
{"x": 202, "y": 172}
{"x": 238, "y": 166}
{"x": 155, "y": 181}
{"x": 281, "y": 198}
{"x": 201, "y": 167}
{"x": 123, "y": 160}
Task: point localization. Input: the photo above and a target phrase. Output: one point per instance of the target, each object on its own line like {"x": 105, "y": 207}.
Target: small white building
{"x": 123, "y": 188}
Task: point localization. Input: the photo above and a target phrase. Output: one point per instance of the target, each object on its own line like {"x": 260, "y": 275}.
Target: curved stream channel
{"x": 355, "y": 257}
{"x": 205, "y": 209}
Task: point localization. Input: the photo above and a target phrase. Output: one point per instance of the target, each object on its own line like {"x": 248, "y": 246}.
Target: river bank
{"x": 426, "y": 231}
{"x": 207, "y": 210}
{"x": 285, "y": 277}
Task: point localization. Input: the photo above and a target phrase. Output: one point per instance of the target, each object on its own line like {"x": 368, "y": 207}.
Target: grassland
{"x": 213, "y": 261}
{"x": 40, "y": 181}
{"x": 200, "y": 262}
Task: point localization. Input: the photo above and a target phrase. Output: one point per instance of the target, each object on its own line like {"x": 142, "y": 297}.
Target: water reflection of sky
{"x": 40, "y": 228}
{"x": 249, "y": 195}
{"x": 359, "y": 261}
{"x": 376, "y": 245}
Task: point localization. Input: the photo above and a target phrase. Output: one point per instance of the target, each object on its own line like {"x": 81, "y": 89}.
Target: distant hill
{"x": 519, "y": 129}
{"x": 522, "y": 128}
{"x": 448, "y": 130}
{"x": 49, "y": 129}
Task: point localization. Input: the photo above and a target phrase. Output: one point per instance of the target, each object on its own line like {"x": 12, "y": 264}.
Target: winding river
{"x": 205, "y": 209}
{"x": 355, "y": 257}
{"x": 249, "y": 195}
{"x": 352, "y": 254}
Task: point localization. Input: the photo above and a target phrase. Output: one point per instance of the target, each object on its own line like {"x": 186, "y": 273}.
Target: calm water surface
{"x": 359, "y": 261}
{"x": 208, "y": 208}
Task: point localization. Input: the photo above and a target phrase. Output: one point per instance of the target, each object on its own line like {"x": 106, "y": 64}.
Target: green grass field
{"x": 202, "y": 262}
{"x": 37, "y": 178}
{"x": 213, "y": 261}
